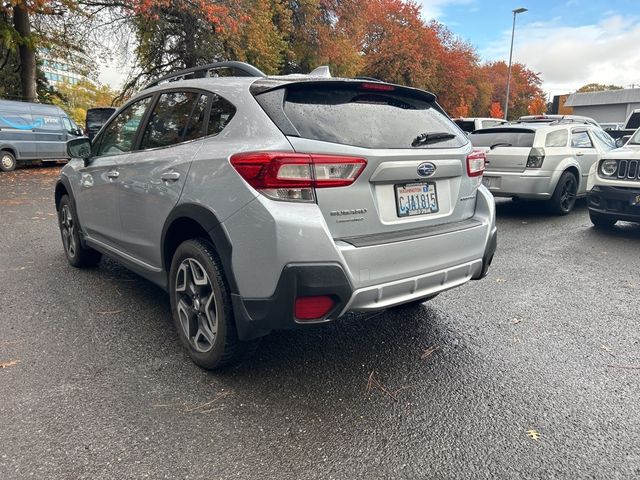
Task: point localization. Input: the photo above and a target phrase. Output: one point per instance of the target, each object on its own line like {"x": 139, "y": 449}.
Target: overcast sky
{"x": 569, "y": 42}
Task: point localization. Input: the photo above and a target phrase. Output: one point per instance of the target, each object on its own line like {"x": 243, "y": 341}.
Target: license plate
{"x": 416, "y": 199}
{"x": 491, "y": 182}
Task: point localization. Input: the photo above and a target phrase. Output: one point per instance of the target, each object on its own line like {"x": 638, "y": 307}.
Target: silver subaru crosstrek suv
{"x": 265, "y": 203}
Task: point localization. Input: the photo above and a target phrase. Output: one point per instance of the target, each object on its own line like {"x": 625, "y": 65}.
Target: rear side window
{"x": 581, "y": 139}
{"x": 170, "y": 119}
{"x": 221, "y": 114}
{"x": 195, "y": 125}
{"x": 504, "y": 137}
{"x": 559, "y": 138}
{"x": 348, "y": 115}
{"x": 466, "y": 126}
{"x": 634, "y": 121}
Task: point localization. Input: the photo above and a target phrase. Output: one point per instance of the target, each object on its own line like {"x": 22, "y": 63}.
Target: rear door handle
{"x": 170, "y": 176}
{"x": 113, "y": 174}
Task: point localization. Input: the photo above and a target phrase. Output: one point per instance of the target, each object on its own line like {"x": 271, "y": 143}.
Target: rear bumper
{"x": 535, "y": 185}
{"x": 615, "y": 202}
{"x": 375, "y": 277}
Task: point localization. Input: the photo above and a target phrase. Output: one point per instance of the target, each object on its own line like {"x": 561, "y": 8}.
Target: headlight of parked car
{"x": 609, "y": 168}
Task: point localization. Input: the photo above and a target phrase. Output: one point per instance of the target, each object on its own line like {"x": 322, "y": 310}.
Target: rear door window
{"x": 379, "y": 117}
{"x": 580, "y": 139}
{"x": 558, "y": 138}
{"x": 503, "y": 137}
{"x": 170, "y": 119}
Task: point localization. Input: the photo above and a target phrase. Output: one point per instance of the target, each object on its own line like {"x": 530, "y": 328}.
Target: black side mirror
{"x": 79, "y": 148}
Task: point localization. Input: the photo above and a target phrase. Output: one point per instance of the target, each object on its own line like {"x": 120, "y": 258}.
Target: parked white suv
{"x": 541, "y": 161}
{"x": 614, "y": 186}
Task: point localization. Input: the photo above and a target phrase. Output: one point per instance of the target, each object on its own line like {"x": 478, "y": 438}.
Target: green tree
{"x": 597, "y": 87}
{"x": 76, "y": 99}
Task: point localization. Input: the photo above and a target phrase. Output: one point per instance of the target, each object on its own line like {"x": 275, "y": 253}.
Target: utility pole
{"x": 513, "y": 33}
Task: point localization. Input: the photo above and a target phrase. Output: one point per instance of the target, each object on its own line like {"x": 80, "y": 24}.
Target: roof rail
{"x": 239, "y": 69}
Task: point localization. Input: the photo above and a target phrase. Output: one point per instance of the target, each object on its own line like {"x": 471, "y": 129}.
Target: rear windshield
{"x": 466, "y": 126}
{"x": 504, "y": 137}
{"x": 348, "y": 115}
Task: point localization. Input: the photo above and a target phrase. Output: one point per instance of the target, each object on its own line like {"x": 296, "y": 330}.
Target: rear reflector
{"x": 313, "y": 308}
{"x": 475, "y": 163}
{"x": 294, "y": 176}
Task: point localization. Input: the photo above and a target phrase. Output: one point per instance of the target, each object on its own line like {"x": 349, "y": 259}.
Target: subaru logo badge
{"x": 426, "y": 169}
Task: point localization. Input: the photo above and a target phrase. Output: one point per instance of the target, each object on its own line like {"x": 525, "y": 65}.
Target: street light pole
{"x": 513, "y": 32}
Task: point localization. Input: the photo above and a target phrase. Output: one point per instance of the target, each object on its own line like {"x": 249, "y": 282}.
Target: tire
{"x": 7, "y": 161}
{"x": 413, "y": 304}
{"x": 77, "y": 255}
{"x": 602, "y": 221}
{"x": 201, "y": 307}
{"x": 564, "y": 196}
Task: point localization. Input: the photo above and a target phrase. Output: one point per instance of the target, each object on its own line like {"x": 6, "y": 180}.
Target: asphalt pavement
{"x": 533, "y": 372}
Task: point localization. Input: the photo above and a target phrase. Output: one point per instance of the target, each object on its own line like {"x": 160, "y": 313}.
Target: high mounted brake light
{"x": 377, "y": 87}
{"x": 295, "y": 176}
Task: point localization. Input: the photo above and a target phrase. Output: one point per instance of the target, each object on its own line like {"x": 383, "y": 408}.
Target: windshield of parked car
{"x": 349, "y": 115}
{"x": 635, "y": 140}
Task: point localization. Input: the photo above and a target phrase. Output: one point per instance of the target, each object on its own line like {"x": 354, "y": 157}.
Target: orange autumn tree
{"x": 537, "y": 106}
{"x": 496, "y": 110}
{"x": 462, "y": 110}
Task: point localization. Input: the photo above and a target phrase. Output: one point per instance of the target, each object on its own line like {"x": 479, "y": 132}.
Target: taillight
{"x": 475, "y": 163}
{"x": 313, "y": 308}
{"x": 536, "y": 157}
{"x": 294, "y": 176}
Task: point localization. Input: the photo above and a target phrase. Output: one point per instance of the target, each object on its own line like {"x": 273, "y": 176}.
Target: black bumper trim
{"x": 256, "y": 317}
{"x": 614, "y": 202}
{"x": 489, "y": 252}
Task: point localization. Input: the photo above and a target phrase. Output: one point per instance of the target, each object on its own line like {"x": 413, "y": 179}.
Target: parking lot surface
{"x": 533, "y": 372}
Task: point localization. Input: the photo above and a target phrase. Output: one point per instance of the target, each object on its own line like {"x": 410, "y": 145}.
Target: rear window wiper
{"x": 502, "y": 144}
{"x": 427, "y": 138}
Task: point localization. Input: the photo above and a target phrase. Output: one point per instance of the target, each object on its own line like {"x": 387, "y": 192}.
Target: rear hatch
{"x": 507, "y": 148}
{"x": 397, "y": 131}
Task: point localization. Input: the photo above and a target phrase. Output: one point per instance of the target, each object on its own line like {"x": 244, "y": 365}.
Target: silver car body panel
{"x": 125, "y": 216}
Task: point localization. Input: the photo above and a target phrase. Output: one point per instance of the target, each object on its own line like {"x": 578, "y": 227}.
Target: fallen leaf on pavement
{"x": 427, "y": 352}
{"x": 9, "y": 363}
{"x": 533, "y": 434}
{"x": 515, "y": 321}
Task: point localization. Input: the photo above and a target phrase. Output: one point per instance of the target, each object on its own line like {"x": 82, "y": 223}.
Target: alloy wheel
{"x": 196, "y": 305}
{"x": 68, "y": 229}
